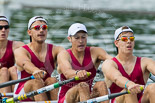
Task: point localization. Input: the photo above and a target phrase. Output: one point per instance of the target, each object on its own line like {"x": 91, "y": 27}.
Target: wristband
{"x": 77, "y": 72}
{"x": 126, "y": 84}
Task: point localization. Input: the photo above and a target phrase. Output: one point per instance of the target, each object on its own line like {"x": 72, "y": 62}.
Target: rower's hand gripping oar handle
{"x": 107, "y": 97}
{"x": 141, "y": 88}
{"x": 42, "y": 90}
{"x": 121, "y": 93}
{"x": 61, "y": 83}
{"x": 12, "y": 82}
{"x": 77, "y": 78}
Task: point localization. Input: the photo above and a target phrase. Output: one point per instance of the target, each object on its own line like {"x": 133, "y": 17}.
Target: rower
{"x": 77, "y": 61}
{"x": 126, "y": 71}
{"x": 7, "y": 61}
{"x": 37, "y": 58}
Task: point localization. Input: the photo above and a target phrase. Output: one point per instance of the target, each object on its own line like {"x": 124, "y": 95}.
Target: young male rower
{"x": 77, "y": 61}
{"x": 126, "y": 71}
{"x": 7, "y": 61}
{"x": 37, "y": 58}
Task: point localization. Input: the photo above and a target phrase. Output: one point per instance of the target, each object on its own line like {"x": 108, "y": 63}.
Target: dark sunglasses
{"x": 4, "y": 26}
{"x": 38, "y": 27}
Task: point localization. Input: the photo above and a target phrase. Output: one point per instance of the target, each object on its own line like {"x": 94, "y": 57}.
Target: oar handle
{"x": 77, "y": 78}
{"x": 61, "y": 83}
{"x": 121, "y": 93}
{"x": 107, "y": 97}
{"x": 141, "y": 88}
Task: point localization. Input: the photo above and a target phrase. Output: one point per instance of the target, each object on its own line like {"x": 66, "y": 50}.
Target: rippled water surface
{"x": 100, "y": 25}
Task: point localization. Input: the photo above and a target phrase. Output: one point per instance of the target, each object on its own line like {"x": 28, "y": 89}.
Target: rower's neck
{"x": 77, "y": 53}
{"x": 3, "y": 44}
{"x": 125, "y": 57}
{"x": 38, "y": 47}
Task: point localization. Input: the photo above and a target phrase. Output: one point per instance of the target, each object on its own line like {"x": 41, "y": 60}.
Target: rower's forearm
{"x": 29, "y": 67}
{"x": 122, "y": 81}
{"x": 69, "y": 74}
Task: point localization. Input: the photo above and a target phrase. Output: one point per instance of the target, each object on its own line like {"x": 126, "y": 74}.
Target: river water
{"x": 100, "y": 24}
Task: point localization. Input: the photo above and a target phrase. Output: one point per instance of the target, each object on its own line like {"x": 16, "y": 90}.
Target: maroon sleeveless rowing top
{"x": 136, "y": 76}
{"x": 8, "y": 59}
{"x": 47, "y": 66}
{"x": 87, "y": 65}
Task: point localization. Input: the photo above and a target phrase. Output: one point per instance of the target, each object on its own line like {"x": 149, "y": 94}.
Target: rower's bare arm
{"x": 17, "y": 44}
{"x": 56, "y": 50}
{"x": 23, "y": 61}
{"x": 59, "y": 49}
{"x": 101, "y": 53}
{"x": 149, "y": 64}
{"x": 111, "y": 72}
{"x": 64, "y": 65}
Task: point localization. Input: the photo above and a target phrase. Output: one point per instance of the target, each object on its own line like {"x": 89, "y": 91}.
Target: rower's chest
{"x": 41, "y": 56}
{"x": 128, "y": 67}
{"x": 2, "y": 52}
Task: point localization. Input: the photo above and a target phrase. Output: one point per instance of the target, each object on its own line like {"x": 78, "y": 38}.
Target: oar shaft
{"x": 107, "y": 97}
{"x": 117, "y": 94}
{"x": 104, "y": 98}
{"x": 42, "y": 90}
{"x": 15, "y": 81}
{"x": 152, "y": 77}
{"x": 6, "y": 94}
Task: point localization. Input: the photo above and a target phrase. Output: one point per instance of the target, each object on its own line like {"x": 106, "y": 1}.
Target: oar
{"x": 107, "y": 97}
{"x": 6, "y": 94}
{"x": 38, "y": 102}
{"x": 42, "y": 90}
{"x": 12, "y": 82}
{"x": 152, "y": 77}
{"x": 99, "y": 72}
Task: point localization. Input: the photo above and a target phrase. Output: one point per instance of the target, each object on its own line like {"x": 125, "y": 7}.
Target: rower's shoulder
{"x": 96, "y": 48}
{"x": 21, "y": 48}
{"x": 17, "y": 44}
{"x": 97, "y": 51}
{"x": 146, "y": 60}
{"x": 58, "y": 48}
{"x": 109, "y": 63}
{"x": 20, "y": 51}
{"x": 100, "y": 53}
{"x": 64, "y": 53}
